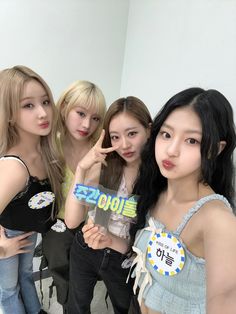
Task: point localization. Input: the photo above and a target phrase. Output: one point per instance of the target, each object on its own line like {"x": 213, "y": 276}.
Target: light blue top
{"x": 184, "y": 293}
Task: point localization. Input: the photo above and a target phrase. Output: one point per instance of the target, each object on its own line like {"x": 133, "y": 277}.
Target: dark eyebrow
{"x": 186, "y": 131}
{"x": 126, "y": 130}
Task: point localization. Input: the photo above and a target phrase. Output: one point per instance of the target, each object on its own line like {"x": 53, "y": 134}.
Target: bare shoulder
{"x": 219, "y": 227}
{"x": 13, "y": 170}
{"x": 13, "y": 179}
{"x": 217, "y": 216}
{"x": 15, "y": 165}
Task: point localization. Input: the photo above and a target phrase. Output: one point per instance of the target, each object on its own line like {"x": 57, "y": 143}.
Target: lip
{"x": 83, "y": 133}
{"x": 44, "y": 125}
{"x": 167, "y": 164}
{"x": 128, "y": 154}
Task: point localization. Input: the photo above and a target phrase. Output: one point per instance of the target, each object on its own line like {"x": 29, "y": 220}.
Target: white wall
{"x": 175, "y": 44}
{"x": 170, "y": 44}
{"x": 66, "y": 40}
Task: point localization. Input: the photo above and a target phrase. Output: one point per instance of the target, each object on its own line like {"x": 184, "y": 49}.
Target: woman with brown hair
{"x": 95, "y": 255}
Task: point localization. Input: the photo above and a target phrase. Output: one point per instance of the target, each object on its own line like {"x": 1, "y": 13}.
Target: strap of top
{"x": 197, "y": 206}
{"x": 13, "y": 157}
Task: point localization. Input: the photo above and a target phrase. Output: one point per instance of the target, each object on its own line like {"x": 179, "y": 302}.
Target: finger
{"x": 90, "y": 221}
{"x": 101, "y": 159}
{"x": 88, "y": 234}
{"x": 94, "y": 241}
{"x": 100, "y": 140}
{"x": 25, "y": 243}
{"x": 2, "y": 232}
{"x": 24, "y": 235}
{"x": 104, "y": 162}
{"x": 21, "y": 251}
{"x": 87, "y": 227}
{"x": 108, "y": 149}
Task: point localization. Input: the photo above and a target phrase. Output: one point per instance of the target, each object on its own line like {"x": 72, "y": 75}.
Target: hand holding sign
{"x": 94, "y": 238}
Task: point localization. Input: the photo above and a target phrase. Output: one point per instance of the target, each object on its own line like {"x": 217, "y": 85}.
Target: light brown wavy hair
{"x": 12, "y": 82}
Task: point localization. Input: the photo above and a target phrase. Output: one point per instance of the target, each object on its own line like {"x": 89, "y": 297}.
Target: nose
{"x": 86, "y": 123}
{"x": 125, "y": 142}
{"x": 41, "y": 112}
{"x": 173, "y": 148}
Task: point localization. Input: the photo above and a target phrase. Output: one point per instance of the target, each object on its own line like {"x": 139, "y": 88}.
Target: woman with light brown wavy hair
{"x": 30, "y": 178}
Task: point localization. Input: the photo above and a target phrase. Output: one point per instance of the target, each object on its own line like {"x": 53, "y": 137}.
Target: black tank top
{"x": 32, "y": 208}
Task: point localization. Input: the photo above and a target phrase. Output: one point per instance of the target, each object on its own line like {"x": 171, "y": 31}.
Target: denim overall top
{"x": 183, "y": 293}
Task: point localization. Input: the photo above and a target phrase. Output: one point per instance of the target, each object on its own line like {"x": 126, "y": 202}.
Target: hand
{"x": 94, "y": 238}
{"x": 97, "y": 154}
{"x": 13, "y": 246}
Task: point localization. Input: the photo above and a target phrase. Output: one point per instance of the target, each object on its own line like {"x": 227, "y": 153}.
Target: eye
{"x": 81, "y": 114}
{"x": 164, "y": 134}
{"x": 28, "y": 106}
{"x": 46, "y": 102}
{"x": 192, "y": 141}
{"x": 97, "y": 119}
{"x": 132, "y": 133}
{"x": 114, "y": 138}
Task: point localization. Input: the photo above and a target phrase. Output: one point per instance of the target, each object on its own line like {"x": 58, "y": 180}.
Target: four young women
{"x": 184, "y": 232}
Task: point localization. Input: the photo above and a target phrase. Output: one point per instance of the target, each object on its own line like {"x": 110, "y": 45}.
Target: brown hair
{"x": 111, "y": 175}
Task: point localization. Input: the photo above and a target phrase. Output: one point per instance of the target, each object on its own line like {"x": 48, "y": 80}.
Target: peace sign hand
{"x": 97, "y": 154}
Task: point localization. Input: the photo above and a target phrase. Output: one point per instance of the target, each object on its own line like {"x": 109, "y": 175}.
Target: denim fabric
{"x": 87, "y": 266}
{"x": 186, "y": 290}
{"x": 17, "y": 290}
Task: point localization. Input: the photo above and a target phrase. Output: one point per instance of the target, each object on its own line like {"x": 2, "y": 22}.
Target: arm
{"x": 87, "y": 172}
{"x": 12, "y": 246}
{"x": 97, "y": 240}
{"x": 75, "y": 211}
{"x": 220, "y": 254}
{"x": 13, "y": 179}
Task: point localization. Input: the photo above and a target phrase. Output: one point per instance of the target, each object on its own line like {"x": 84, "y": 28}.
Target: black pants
{"x": 87, "y": 266}
{"x": 56, "y": 253}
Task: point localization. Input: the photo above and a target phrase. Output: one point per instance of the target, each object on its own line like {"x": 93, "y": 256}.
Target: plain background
{"x": 147, "y": 48}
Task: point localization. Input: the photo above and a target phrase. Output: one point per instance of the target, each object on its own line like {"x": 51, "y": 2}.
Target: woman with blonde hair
{"x": 81, "y": 109}
{"x": 30, "y": 178}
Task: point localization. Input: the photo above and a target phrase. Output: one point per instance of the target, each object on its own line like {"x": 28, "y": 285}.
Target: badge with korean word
{"x": 166, "y": 254}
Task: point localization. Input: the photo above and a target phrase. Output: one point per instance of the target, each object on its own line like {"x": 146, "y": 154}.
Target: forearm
{"x": 75, "y": 211}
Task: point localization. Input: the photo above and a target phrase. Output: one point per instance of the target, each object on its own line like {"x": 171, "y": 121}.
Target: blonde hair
{"x": 86, "y": 95}
{"x": 12, "y": 82}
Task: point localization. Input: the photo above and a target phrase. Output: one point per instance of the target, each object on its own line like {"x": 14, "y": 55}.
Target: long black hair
{"x": 217, "y": 170}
